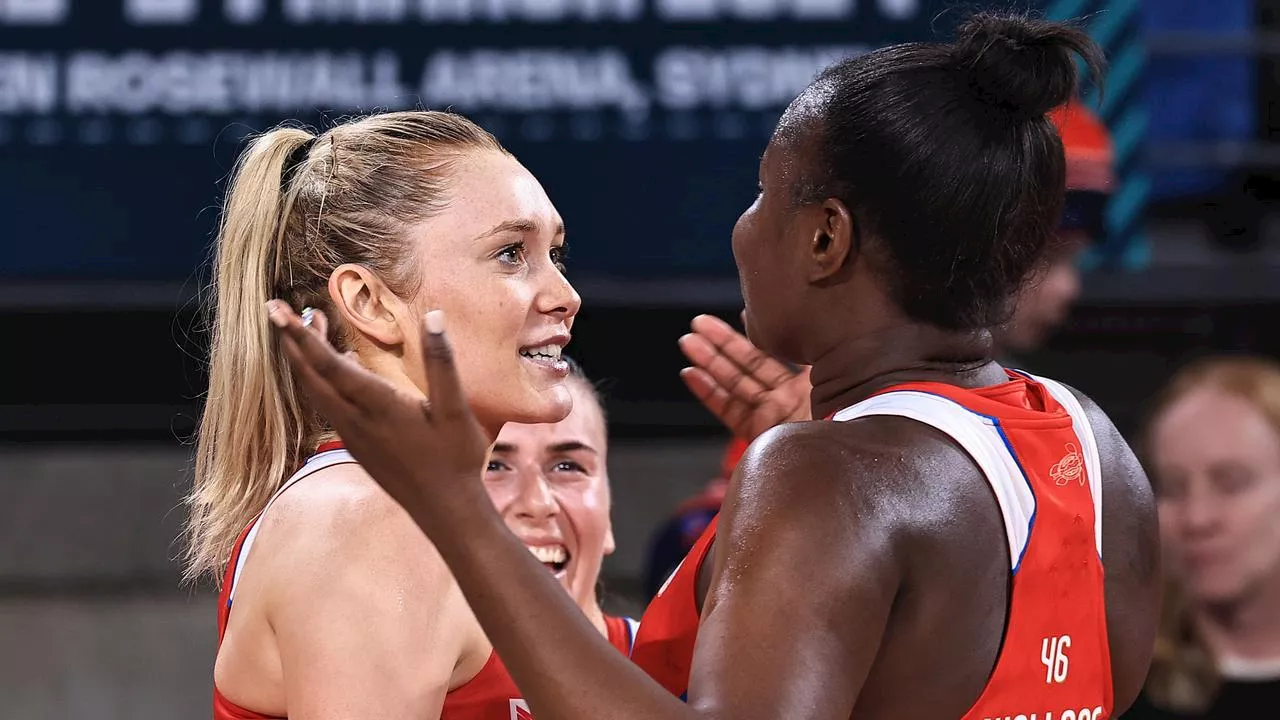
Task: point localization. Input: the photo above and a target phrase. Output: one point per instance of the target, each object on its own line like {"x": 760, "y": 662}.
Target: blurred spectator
{"x": 1046, "y": 300}
{"x": 1213, "y": 448}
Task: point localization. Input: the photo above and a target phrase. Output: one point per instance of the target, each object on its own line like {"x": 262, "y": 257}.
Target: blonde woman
{"x": 334, "y": 605}
{"x": 1214, "y": 447}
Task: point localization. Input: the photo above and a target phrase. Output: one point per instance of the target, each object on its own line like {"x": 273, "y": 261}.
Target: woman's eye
{"x": 512, "y": 254}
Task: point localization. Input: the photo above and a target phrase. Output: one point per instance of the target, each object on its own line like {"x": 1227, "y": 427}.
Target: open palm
{"x": 748, "y": 390}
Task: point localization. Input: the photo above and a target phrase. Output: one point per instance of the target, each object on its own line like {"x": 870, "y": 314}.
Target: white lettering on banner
{"x": 762, "y": 10}
{"x": 28, "y": 83}
{"x": 520, "y": 80}
{"x": 460, "y": 11}
{"x": 551, "y": 94}
{"x": 746, "y": 77}
{"x": 899, "y": 9}
{"x": 524, "y": 80}
{"x": 359, "y": 11}
{"x": 160, "y": 12}
{"x": 753, "y": 10}
{"x": 223, "y": 82}
{"x": 34, "y": 12}
{"x": 243, "y": 12}
{"x": 386, "y": 12}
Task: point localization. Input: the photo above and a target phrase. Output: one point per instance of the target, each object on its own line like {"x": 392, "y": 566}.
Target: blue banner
{"x": 643, "y": 118}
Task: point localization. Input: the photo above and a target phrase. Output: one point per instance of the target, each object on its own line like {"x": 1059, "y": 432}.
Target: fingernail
{"x": 275, "y": 317}
{"x": 308, "y": 314}
{"x": 435, "y": 322}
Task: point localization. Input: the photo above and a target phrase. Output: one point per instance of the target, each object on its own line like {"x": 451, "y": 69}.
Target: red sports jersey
{"x": 490, "y": 695}
{"x": 493, "y": 695}
{"x": 1033, "y": 442}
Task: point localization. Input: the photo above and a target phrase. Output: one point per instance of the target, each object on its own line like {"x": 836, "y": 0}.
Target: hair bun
{"x": 1024, "y": 66}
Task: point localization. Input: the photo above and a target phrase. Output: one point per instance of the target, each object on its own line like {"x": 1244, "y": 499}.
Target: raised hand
{"x": 748, "y": 390}
{"x": 427, "y": 455}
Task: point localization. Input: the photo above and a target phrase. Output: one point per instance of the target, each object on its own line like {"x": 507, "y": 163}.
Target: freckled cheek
{"x": 512, "y": 306}
{"x": 491, "y": 321}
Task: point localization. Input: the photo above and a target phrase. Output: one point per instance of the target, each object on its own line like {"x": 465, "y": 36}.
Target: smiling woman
{"x": 550, "y": 483}
{"x": 332, "y": 600}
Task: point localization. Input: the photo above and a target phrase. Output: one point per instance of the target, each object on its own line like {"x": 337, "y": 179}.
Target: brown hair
{"x": 1183, "y": 675}
{"x": 299, "y": 205}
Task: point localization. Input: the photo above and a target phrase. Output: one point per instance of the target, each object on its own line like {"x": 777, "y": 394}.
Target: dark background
{"x": 104, "y": 241}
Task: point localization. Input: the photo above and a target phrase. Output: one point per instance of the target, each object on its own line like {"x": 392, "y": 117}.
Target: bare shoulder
{"x": 341, "y": 496}
{"x": 884, "y": 485}
{"x": 339, "y": 523}
{"x": 800, "y": 462}
{"x": 1128, "y": 502}
{"x": 1130, "y": 556}
{"x": 1124, "y": 473}
{"x": 890, "y": 475}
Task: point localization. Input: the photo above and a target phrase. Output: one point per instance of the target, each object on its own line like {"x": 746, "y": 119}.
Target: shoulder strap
{"x": 313, "y": 465}
{"x": 982, "y": 438}
{"x": 1089, "y": 446}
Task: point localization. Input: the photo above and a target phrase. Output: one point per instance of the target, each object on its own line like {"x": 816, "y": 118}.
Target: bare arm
{"x": 775, "y": 561}
{"x": 367, "y": 619}
{"x": 802, "y": 585}
{"x": 779, "y": 538}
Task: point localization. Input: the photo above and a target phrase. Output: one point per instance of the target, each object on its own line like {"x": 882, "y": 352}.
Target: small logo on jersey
{"x": 1070, "y": 467}
{"x": 520, "y": 710}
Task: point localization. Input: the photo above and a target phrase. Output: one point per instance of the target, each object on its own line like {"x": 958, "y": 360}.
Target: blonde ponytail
{"x": 253, "y": 426}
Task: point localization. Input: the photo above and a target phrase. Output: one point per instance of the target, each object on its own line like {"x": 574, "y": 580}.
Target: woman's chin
{"x": 553, "y": 405}
{"x": 545, "y": 410}
{"x": 533, "y": 408}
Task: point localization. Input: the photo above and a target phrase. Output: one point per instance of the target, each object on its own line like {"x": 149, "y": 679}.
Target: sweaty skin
{"x": 921, "y": 500}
